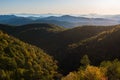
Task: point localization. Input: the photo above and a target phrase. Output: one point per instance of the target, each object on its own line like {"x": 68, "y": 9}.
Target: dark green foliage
{"x": 113, "y": 69}
{"x": 21, "y": 61}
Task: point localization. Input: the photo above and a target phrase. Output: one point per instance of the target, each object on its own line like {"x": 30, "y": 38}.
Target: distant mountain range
{"x": 66, "y": 21}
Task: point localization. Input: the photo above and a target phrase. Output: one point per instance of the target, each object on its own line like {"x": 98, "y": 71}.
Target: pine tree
{"x": 85, "y": 60}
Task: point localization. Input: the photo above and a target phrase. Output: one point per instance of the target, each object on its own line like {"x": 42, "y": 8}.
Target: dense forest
{"x": 50, "y": 52}
{"x": 21, "y": 61}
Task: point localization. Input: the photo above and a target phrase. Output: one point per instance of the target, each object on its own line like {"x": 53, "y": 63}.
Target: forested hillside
{"x": 21, "y": 61}
{"x": 103, "y": 46}
{"x": 68, "y": 46}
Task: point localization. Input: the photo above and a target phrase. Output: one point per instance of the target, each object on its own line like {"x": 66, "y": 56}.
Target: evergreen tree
{"x": 85, "y": 60}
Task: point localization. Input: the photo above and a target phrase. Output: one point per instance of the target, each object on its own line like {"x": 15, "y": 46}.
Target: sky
{"x": 60, "y": 6}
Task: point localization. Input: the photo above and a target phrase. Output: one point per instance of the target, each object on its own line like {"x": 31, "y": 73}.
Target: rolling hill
{"x": 106, "y": 43}
{"x": 14, "y": 20}
{"x": 103, "y": 46}
{"x": 19, "y": 60}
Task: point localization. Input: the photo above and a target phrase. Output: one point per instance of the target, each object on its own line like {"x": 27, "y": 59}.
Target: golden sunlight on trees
{"x": 93, "y": 73}
{"x": 90, "y": 73}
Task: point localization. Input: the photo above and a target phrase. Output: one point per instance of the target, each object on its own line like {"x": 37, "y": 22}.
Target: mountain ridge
{"x": 67, "y": 21}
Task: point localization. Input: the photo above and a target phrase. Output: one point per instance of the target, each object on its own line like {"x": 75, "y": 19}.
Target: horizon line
{"x": 55, "y": 14}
